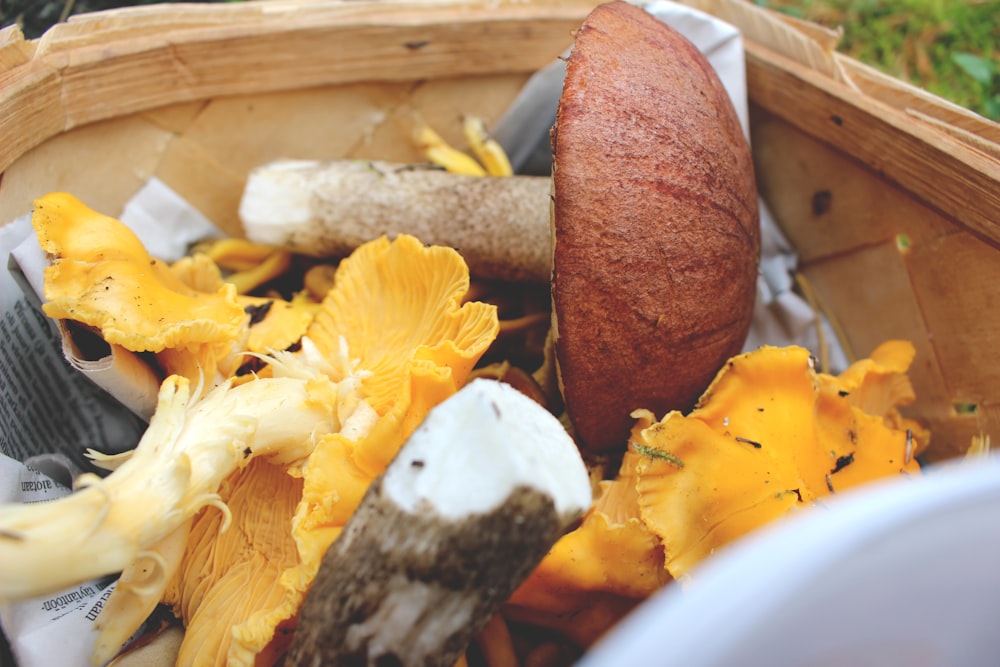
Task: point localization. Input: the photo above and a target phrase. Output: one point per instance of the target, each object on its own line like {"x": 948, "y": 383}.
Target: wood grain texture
{"x": 130, "y": 63}
{"x": 952, "y": 177}
{"x": 890, "y": 266}
{"x": 960, "y": 122}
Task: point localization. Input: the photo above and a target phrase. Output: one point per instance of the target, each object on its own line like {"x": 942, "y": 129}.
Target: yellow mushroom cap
{"x": 277, "y": 324}
{"x": 398, "y": 307}
{"x": 598, "y": 572}
{"x": 103, "y": 277}
{"x": 395, "y": 323}
{"x": 769, "y": 436}
{"x": 271, "y": 323}
{"x": 879, "y": 385}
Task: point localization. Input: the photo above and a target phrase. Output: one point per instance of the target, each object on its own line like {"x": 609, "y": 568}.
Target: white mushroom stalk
{"x": 191, "y": 445}
{"x": 329, "y": 208}
{"x": 467, "y": 509}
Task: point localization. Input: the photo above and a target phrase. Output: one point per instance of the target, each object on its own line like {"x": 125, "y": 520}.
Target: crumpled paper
{"x": 58, "y": 629}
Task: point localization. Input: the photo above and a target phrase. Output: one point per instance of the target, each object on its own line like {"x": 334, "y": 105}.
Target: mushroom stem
{"x": 329, "y": 208}
{"x": 471, "y": 504}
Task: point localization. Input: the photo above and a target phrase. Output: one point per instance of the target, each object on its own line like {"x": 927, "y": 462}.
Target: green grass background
{"x": 949, "y": 47}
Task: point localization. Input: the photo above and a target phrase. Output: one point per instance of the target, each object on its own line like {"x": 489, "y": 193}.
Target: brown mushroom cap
{"x": 656, "y": 236}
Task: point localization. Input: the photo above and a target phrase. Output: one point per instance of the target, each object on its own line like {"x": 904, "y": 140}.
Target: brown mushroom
{"x": 655, "y": 223}
{"x": 654, "y": 238}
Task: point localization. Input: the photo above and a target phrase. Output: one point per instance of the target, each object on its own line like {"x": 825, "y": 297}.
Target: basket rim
{"x": 946, "y": 156}
{"x": 72, "y": 75}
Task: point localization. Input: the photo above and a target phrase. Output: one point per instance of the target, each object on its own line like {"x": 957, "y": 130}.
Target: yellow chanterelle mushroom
{"x": 244, "y": 487}
{"x": 102, "y": 276}
{"x": 770, "y": 435}
{"x": 395, "y": 316}
{"x": 197, "y": 322}
{"x": 597, "y": 573}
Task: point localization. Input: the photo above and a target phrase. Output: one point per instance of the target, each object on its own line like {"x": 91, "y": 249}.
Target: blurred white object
{"x": 905, "y": 572}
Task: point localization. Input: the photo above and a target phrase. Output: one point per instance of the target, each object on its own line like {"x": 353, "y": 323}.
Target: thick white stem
{"x": 464, "y": 513}
{"x": 499, "y": 224}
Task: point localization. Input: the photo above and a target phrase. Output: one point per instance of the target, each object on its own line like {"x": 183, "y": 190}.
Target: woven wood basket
{"x": 890, "y": 196}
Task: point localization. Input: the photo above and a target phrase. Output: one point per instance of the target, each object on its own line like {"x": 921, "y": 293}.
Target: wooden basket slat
{"x": 371, "y": 42}
{"x": 204, "y": 149}
{"x": 351, "y": 120}
{"x": 900, "y": 95}
{"x": 809, "y": 45}
{"x": 30, "y": 110}
{"x": 833, "y": 206}
{"x": 939, "y": 291}
{"x": 110, "y": 26}
{"x": 142, "y": 21}
{"x": 955, "y": 279}
{"x": 82, "y": 161}
{"x": 950, "y": 176}
{"x": 14, "y": 49}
